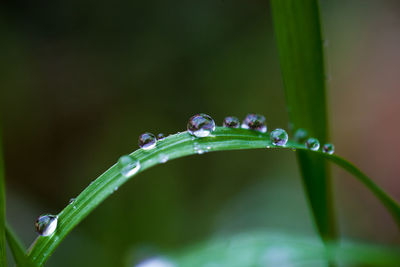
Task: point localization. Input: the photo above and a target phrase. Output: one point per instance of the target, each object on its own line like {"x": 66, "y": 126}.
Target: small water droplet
{"x": 201, "y": 125}
{"x": 128, "y": 166}
{"x": 115, "y": 188}
{"x": 160, "y": 136}
{"x": 268, "y": 146}
{"x": 71, "y": 200}
{"x": 163, "y": 158}
{"x": 255, "y": 122}
{"x": 147, "y": 141}
{"x": 208, "y": 148}
{"x": 279, "y": 137}
{"x": 312, "y": 144}
{"x": 231, "y": 122}
{"x": 328, "y": 148}
{"x": 300, "y": 136}
{"x": 46, "y": 224}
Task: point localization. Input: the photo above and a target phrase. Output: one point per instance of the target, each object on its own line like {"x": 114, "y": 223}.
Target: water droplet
{"x": 279, "y": 137}
{"x": 115, "y": 188}
{"x": 201, "y": 125}
{"x": 128, "y": 165}
{"x": 300, "y": 136}
{"x": 231, "y": 122}
{"x": 328, "y": 148}
{"x": 312, "y": 144}
{"x": 71, "y": 200}
{"x": 255, "y": 122}
{"x": 46, "y": 224}
{"x": 156, "y": 262}
{"x": 163, "y": 158}
{"x": 147, "y": 141}
{"x": 160, "y": 136}
{"x": 268, "y": 147}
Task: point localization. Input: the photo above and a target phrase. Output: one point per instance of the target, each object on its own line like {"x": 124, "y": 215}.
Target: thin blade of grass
{"x": 298, "y": 36}
{"x": 17, "y": 248}
{"x": 2, "y": 208}
{"x": 176, "y": 146}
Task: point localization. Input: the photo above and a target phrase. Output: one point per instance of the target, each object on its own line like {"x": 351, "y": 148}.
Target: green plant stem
{"x": 299, "y": 41}
{"x": 176, "y": 146}
{"x": 2, "y": 209}
{"x": 17, "y": 248}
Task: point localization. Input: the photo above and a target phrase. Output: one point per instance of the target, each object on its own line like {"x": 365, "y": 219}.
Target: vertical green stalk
{"x": 298, "y": 36}
{"x": 2, "y": 210}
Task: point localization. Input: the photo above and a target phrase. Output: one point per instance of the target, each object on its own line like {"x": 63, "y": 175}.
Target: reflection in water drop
{"x": 46, "y": 224}
{"x": 128, "y": 166}
{"x": 279, "y": 137}
{"x": 328, "y": 148}
{"x": 201, "y": 125}
{"x": 231, "y": 122}
{"x": 147, "y": 141}
{"x": 312, "y": 144}
{"x": 255, "y": 122}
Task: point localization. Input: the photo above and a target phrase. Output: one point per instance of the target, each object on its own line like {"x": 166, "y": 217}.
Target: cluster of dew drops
{"x": 200, "y": 125}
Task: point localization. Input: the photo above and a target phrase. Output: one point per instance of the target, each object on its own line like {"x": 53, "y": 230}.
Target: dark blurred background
{"x": 80, "y": 80}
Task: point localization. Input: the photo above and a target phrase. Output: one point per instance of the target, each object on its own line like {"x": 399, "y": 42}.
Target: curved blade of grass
{"x": 2, "y": 209}
{"x": 298, "y": 36}
{"x": 276, "y": 249}
{"x": 176, "y": 146}
{"x": 17, "y": 248}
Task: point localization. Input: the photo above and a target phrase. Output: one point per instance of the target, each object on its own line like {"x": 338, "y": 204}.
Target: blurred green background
{"x": 80, "y": 80}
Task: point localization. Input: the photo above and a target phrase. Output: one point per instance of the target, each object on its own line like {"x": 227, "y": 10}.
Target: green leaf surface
{"x": 176, "y": 146}
{"x": 2, "y": 209}
{"x": 265, "y": 249}
{"x": 17, "y": 248}
{"x": 299, "y": 41}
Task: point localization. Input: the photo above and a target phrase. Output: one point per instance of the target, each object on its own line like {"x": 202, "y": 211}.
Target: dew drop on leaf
{"x": 279, "y": 137}
{"x": 312, "y": 144}
{"x": 46, "y": 224}
{"x": 231, "y": 122}
{"x": 201, "y": 125}
{"x": 163, "y": 158}
{"x": 160, "y": 136}
{"x": 147, "y": 141}
{"x": 255, "y": 122}
{"x": 328, "y": 148}
{"x": 128, "y": 166}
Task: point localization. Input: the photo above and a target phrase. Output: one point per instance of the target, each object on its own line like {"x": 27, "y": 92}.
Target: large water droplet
{"x": 279, "y": 137}
{"x": 46, "y": 224}
{"x": 312, "y": 144}
{"x": 231, "y": 122}
{"x": 300, "y": 136}
{"x": 201, "y": 125}
{"x": 147, "y": 141}
{"x": 255, "y": 122}
{"x": 156, "y": 262}
{"x": 160, "y": 136}
{"x": 128, "y": 166}
{"x": 328, "y": 148}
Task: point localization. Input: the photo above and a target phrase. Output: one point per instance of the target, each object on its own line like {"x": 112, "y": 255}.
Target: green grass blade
{"x": 298, "y": 36}
{"x": 17, "y": 248}
{"x": 176, "y": 146}
{"x": 2, "y": 209}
